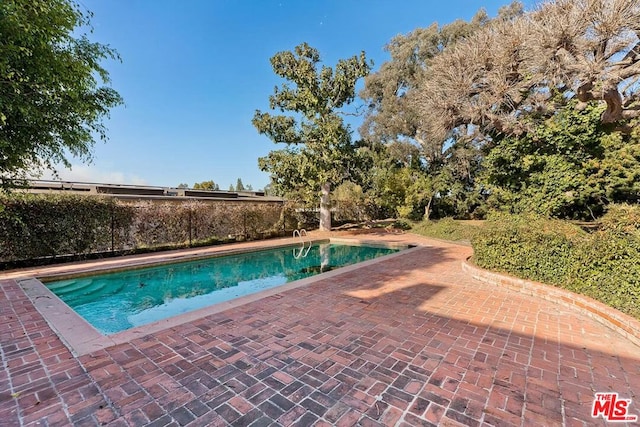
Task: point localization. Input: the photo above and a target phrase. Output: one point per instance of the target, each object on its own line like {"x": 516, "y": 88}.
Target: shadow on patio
{"x": 408, "y": 341}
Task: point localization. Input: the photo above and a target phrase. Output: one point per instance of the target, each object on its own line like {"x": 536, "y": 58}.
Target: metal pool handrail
{"x": 301, "y": 233}
{"x": 303, "y": 251}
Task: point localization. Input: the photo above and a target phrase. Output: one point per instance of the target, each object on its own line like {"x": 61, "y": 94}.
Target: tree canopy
{"x": 53, "y": 90}
{"x": 320, "y": 141}
{"x": 526, "y": 111}
{"x": 391, "y": 91}
{"x": 501, "y": 77}
{"x": 570, "y": 166}
{"x": 206, "y": 185}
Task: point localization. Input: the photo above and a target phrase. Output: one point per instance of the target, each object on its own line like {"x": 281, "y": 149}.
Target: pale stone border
{"x": 621, "y": 323}
{"x": 82, "y": 338}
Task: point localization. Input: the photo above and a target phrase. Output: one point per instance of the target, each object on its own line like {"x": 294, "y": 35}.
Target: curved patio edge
{"x": 621, "y": 323}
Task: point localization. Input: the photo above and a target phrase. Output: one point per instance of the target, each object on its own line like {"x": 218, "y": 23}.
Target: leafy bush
{"x": 607, "y": 268}
{"x": 34, "y": 226}
{"x": 402, "y": 224}
{"x": 570, "y": 166}
{"x": 624, "y": 218}
{"x": 528, "y": 246}
{"x": 447, "y": 229}
{"x": 350, "y": 203}
{"x": 604, "y": 265}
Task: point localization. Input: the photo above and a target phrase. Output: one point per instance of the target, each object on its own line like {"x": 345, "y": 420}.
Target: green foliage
{"x": 440, "y": 178}
{"x": 350, "y": 203}
{"x": 572, "y": 166}
{"x": 51, "y": 102}
{"x": 388, "y": 188}
{"x": 497, "y": 124}
{"x": 314, "y": 96}
{"x": 604, "y": 265}
{"x": 37, "y": 226}
{"x": 206, "y": 185}
{"x": 448, "y": 229}
{"x": 292, "y": 174}
{"x": 616, "y": 173}
{"x": 528, "y": 246}
{"x": 621, "y": 218}
{"x": 401, "y": 184}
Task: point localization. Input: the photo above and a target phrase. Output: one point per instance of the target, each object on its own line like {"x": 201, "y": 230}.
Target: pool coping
{"x": 82, "y": 338}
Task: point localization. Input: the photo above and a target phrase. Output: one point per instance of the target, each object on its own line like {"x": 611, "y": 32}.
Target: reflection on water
{"x": 117, "y": 301}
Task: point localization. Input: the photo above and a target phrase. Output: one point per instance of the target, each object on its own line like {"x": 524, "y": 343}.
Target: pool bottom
{"x": 82, "y": 338}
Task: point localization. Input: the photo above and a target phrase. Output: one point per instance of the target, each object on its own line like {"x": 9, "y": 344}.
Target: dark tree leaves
{"x": 312, "y": 96}
{"x": 53, "y": 93}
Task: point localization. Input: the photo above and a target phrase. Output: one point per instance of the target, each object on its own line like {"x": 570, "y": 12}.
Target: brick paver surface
{"x": 409, "y": 341}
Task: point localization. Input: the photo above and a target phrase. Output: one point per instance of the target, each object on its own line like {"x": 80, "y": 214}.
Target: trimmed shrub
{"x": 623, "y": 218}
{"x": 527, "y": 246}
{"x": 607, "y": 268}
{"x": 36, "y": 226}
{"x": 604, "y": 265}
{"x": 447, "y": 229}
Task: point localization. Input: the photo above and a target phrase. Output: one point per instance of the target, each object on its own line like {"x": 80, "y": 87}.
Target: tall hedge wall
{"x": 34, "y": 226}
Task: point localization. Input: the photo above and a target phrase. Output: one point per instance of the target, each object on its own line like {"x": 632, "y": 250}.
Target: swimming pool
{"x": 118, "y": 301}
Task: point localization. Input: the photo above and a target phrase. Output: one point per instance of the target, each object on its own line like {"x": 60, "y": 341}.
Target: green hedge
{"x": 607, "y": 268}
{"x": 622, "y": 218}
{"x": 604, "y": 264}
{"x": 37, "y": 226}
{"x": 192, "y": 222}
{"x": 447, "y": 229}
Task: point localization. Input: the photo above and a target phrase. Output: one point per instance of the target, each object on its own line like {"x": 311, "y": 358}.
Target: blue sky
{"x": 193, "y": 73}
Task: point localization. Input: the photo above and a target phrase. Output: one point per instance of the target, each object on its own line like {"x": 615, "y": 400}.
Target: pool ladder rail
{"x": 303, "y": 250}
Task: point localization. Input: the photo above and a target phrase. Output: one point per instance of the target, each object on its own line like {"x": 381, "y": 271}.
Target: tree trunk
{"x": 613, "y": 113}
{"x": 325, "y": 207}
{"x": 427, "y": 209}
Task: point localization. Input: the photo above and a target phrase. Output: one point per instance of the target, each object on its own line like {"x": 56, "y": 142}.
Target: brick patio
{"x": 409, "y": 341}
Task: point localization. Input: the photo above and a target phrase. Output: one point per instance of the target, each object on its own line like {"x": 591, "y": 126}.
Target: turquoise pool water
{"x": 114, "y": 302}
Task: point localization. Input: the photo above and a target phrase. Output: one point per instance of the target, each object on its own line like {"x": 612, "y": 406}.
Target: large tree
{"x": 53, "y": 96}
{"x": 314, "y": 98}
{"x": 507, "y": 77}
{"x": 507, "y": 87}
{"x": 390, "y": 92}
{"x": 445, "y": 180}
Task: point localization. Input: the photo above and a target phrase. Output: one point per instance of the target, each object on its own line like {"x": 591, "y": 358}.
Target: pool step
{"x": 78, "y": 287}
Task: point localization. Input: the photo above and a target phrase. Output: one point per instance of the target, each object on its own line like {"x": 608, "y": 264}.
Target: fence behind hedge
{"x": 51, "y": 226}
